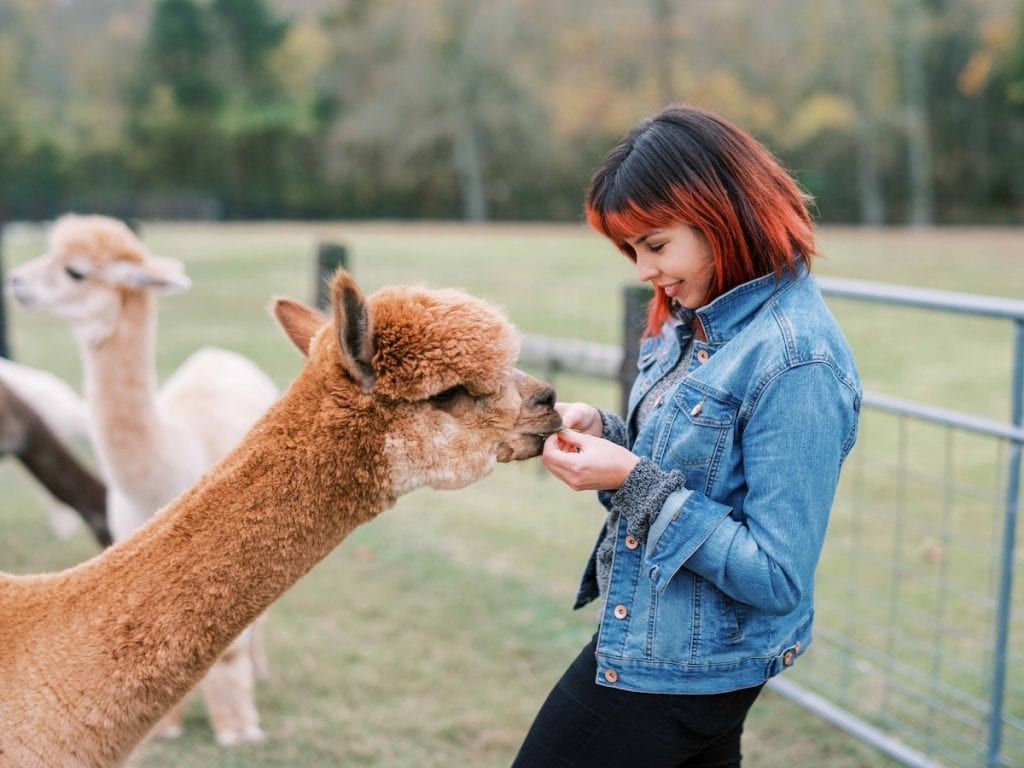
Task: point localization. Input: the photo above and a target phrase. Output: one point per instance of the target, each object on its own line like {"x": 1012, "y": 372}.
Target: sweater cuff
{"x": 643, "y": 494}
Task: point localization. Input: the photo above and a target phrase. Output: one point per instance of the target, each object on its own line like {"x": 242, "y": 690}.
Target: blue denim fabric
{"x": 720, "y": 594}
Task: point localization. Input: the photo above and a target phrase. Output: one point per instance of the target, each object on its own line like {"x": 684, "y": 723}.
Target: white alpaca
{"x": 405, "y": 389}
{"x": 151, "y": 443}
{"x": 63, "y": 410}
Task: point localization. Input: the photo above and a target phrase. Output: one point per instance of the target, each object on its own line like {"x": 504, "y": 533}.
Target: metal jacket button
{"x": 611, "y": 675}
{"x": 697, "y": 408}
{"x": 621, "y": 611}
{"x": 702, "y": 355}
{"x": 631, "y": 542}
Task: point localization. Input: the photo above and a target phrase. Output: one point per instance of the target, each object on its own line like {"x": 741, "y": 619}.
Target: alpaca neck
{"x": 173, "y": 596}
{"x": 121, "y": 390}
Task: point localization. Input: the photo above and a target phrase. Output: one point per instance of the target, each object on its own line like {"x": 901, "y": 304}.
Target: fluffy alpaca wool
{"x": 91, "y": 658}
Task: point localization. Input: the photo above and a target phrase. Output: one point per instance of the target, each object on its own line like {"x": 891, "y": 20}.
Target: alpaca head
{"x": 91, "y": 264}
{"x": 425, "y": 380}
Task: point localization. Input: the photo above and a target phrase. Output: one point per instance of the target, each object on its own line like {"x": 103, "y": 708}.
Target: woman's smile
{"x": 672, "y": 289}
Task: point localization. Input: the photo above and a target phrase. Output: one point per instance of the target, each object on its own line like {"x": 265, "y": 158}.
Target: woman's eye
{"x": 656, "y": 248}
{"x": 74, "y": 274}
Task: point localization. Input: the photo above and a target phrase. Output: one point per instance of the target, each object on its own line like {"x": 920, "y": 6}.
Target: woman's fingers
{"x": 584, "y": 462}
{"x": 581, "y": 417}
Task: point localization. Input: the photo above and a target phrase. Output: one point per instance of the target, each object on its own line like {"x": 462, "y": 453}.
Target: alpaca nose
{"x": 16, "y": 289}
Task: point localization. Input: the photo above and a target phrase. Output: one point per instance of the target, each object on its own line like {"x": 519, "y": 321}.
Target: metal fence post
{"x": 329, "y": 256}
{"x": 1004, "y": 604}
{"x": 635, "y": 299}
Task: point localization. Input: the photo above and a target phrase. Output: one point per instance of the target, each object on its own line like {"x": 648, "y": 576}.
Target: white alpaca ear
{"x": 355, "y": 329}
{"x": 158, "y": 273}
{"x": 300, "y": 322}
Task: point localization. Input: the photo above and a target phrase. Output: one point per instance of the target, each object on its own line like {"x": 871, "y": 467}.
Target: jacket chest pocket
{"x": 700, "y": 433}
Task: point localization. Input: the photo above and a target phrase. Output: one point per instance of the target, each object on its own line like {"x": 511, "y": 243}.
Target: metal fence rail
{"x": 913, "y": 650}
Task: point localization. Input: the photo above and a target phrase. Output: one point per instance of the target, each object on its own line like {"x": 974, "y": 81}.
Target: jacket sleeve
{"x": 798, "y": 433}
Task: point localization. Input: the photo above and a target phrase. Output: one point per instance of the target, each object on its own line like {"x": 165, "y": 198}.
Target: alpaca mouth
{"x": 19, "y": 293}
{"x": 525, "y": 445}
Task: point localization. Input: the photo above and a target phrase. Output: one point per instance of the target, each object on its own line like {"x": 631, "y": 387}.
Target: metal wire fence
{"x": 919, "y": 645}
{"x": 918, "y": 637}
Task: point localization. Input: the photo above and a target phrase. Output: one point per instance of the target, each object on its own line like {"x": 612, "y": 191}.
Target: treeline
{"x": 888, "y": 111}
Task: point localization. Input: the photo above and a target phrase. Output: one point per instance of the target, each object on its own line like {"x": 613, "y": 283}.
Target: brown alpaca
{"x": 411, "y": 388}
{"x": 25, "y": 435}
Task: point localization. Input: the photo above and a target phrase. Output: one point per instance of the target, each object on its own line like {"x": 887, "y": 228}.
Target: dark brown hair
{"x": 687, "y": 165}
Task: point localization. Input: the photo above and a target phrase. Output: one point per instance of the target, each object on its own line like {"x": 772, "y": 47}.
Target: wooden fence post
{"x": 635, "y": 299}
{"x": 329, "y": 256}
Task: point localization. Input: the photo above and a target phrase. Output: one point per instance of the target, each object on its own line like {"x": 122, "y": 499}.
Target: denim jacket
{"x": 719, "y": 596}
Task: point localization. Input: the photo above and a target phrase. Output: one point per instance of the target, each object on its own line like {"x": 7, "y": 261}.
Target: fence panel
{"x": 919, "y": 647}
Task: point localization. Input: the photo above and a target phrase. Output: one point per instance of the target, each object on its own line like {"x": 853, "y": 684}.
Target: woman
{"x": 719, "y": 482}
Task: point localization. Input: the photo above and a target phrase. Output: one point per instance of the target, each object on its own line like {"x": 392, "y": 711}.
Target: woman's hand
{"x": 580, "y": 417}
{"x": 587, "y": 463}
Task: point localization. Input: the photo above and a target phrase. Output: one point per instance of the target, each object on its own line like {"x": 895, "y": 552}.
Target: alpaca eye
{"x": 447, "y": 396}
{"x": 74, "y": 274}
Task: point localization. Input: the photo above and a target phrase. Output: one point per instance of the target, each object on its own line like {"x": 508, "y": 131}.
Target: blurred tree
{"x": 915, "y": 20}
{"x": 886, "y": 110}
{"x": 178, "y": 54}
{"x": 434, "y": 102}
{"x": 176, "y": 101}
{"x": 258, "y": 119}
{"x": 864, "y": 77}
{"x": 1011, "y": 61}
{"x": 662, "y": 32}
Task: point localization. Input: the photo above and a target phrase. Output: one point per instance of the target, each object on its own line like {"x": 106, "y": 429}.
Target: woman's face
{"x": 678, "y": 259}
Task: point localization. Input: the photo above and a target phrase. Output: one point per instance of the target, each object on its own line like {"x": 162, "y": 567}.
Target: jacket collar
{"x": 727, "y": 315}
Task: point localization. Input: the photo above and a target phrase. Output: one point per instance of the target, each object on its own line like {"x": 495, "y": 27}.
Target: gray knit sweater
{"x": 645, "y": 489}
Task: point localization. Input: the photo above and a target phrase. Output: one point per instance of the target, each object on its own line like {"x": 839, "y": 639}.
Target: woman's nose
{"x": 644, "y": 269}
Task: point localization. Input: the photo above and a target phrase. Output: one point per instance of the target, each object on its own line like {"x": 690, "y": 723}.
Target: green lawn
{"x": 430, "y": 637}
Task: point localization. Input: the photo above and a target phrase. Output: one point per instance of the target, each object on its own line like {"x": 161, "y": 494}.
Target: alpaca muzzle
{"x": 537, "y": 419}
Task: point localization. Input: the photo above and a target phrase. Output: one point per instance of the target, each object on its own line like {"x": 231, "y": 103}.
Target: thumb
{"x": 570, "y": 440}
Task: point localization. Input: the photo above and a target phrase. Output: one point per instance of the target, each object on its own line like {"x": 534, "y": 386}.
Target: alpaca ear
{"x": 354, "y": 327}
{"x": 161, "y": 274}
{"x": 300, "y": 322}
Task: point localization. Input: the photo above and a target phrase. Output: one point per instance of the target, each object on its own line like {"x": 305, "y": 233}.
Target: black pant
{"x": 586, "y": 725}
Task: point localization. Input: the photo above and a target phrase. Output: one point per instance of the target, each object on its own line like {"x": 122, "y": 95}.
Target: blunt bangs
{"x": 618, "y": 225}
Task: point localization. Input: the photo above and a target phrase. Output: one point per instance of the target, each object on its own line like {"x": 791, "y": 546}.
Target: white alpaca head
{"x": 91, "y": 264}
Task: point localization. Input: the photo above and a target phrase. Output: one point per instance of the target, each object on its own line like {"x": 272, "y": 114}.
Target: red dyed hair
{"x": 687, "y": 165}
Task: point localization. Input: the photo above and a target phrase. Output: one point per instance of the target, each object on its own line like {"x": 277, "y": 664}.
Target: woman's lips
{"x": 672, "y": 290}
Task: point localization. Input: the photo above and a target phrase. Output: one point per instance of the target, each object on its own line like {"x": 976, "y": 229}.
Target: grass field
{"x": 430, "y": 637}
